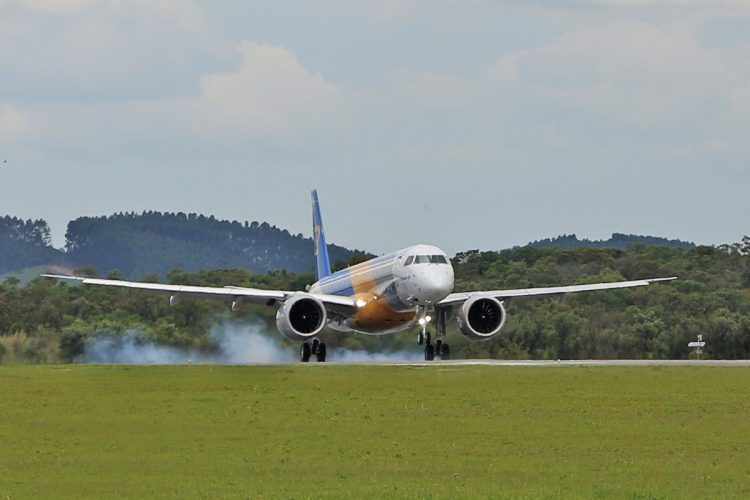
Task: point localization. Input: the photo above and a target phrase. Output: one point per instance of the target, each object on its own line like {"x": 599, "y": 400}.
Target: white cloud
{"x": 632, "y": 70}
{"x": 582, "y": 99}
{"x": 271, "y": 93}
{"x": 55, "y": 5}
{"x": 409, "y": 90}
{"x": 13, "y": 123}
{"x": 633, "y": 4}
{"x": 185, "y": 12}
{"x": 96, "y": 49}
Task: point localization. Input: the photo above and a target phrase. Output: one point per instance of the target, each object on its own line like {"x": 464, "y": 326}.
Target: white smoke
{"x": 348, "y": 356}
{"x": 236, "y": 345}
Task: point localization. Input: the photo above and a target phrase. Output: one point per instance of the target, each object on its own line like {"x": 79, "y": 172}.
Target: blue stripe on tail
{"x": 322, "y": 263}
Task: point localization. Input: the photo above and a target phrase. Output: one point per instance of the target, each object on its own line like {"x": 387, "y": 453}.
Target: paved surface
{"x": 495, "y": 362}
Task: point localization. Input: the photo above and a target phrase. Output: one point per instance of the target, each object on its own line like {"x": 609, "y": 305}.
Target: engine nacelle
{"x": 480, "y": 318}
{"x": 301, "y": 318}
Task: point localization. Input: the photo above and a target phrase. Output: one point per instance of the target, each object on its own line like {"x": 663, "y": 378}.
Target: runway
{"x": 743, "y": 363}
{"x": 531, "y": 363}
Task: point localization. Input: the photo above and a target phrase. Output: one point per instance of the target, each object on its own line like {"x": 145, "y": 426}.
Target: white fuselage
{"x": 390, "y": 290}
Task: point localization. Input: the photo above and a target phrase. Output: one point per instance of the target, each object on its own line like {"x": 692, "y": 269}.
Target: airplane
{"x": 399, "y": 291}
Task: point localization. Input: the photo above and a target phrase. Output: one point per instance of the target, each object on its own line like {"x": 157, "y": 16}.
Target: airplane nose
{"x": 437, "y": 286}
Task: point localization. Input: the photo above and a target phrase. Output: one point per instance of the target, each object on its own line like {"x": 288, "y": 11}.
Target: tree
{"x": 43, "y": 320}
{"x": 72, "y": 345}
{"x": 156, "y": 243}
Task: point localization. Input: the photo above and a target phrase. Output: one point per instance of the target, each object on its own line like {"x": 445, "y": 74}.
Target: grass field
{"x": 377, "y": 432}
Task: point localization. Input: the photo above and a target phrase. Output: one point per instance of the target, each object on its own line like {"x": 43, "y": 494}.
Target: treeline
{"x": 155, "y": 243}
{"x": 49, "y": 322}
{"x": 712, "y": 298}
{"x": 137, "y": 245}
{"x": 618, "y": 241}
{"x": 25, "y": 243}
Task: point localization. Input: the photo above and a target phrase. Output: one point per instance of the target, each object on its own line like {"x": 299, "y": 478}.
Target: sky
{"x": 466, "y": 124}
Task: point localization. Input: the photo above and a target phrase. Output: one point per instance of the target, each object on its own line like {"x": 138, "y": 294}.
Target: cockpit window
{"x": 426, "y": 259}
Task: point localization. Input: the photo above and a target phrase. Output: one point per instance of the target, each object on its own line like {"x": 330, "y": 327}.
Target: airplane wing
{"x": 253, "y": 295}
{"x": 457, "y": 298}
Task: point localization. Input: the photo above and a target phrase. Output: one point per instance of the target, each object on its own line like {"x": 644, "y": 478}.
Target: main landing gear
{"x": 440, "y": 349}
{"x": 316, "y": 348}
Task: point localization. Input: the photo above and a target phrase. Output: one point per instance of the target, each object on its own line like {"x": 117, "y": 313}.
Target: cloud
{"x": 55, "y": 6}
{"x": 632, "y": 4}
{"x": 269, "y": 97}
{"x": 493, "y": 102}
{"x": 94, "y": 49}
{"x": 634, "y": 71}
{"x": 431, "y": 90}
{"x": 13, "y": 123}
{"x": 184, "y": 12}
{"x": 271, "y": 93}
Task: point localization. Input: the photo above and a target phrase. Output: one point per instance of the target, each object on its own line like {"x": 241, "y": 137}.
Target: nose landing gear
{"x": 440, "y": 349}
{"x": 424, "y": 337}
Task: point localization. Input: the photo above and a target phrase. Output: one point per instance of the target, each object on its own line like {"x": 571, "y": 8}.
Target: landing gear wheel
{"x": 445, "y": 352}
{"x": 315, "y": 346}
{"x": 438, "y": 347}
{"x": 304, "y": 352}
{"x": 321, "y": 353}
{"x": 424, "y": 337}
{"x": 429, "y": 352}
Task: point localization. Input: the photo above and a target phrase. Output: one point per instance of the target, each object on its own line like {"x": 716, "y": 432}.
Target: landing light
{"x": 361, "y": 303}
{"x": 428, "y": 319}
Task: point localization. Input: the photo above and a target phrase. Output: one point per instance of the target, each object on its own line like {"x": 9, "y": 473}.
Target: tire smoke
{"x": 236, "y": 344}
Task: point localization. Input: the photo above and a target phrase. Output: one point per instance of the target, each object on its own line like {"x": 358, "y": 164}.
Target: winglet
{"x": 322, "y": 263}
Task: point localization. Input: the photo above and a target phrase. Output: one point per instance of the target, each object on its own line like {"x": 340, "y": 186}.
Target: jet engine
{"x": 301, "y": 318}
{"x": 480, "y": 318}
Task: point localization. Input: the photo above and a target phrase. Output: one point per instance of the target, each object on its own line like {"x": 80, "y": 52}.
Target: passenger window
{"x": 409, "y": 260}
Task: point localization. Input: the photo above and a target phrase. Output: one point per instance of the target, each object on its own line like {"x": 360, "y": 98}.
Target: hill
{"x": 618, "y": 241}
{"x": 137, "y": 245}
{"x": 24, "y": 244}
{"x": 155, "y": 243}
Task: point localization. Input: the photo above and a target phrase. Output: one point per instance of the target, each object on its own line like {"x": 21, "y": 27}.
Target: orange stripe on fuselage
{"x": 377, "y": 315}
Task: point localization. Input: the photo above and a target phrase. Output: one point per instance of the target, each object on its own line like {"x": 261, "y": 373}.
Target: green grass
{"x": 377, "y": 432}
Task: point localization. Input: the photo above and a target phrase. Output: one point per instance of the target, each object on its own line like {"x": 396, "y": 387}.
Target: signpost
{"x": 698, "y": 346}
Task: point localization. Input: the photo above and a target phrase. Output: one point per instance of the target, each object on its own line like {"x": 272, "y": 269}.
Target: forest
{"x": 48, "y": 322}
{"x": 138, "y": 244}
{"x": 26, "y": 243}
{"x": 618, "y": 241}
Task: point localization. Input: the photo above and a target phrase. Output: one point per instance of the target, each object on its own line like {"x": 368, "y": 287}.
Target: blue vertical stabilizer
{"x": 322, "y": 264}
